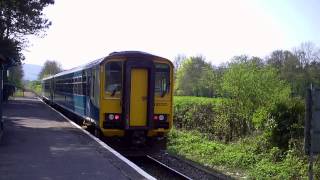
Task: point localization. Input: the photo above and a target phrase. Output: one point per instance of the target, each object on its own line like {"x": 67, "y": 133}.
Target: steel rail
{"x": 169, "y": 168}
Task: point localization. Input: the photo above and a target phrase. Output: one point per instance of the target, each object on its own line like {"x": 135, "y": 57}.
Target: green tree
{"x": 23, "y": 17}
{"x": 207, "y": 86}
{"x": 195, "y": 77}
{"x": 11, "y": 49}
{"x": 50, "y": 68}
{"x": 253, "y": 89}
{"x": 15, "y": 75}
{"x": 19, "y": 18}
{"x": 289, "y": 68}
{"x": 35, "y": 86}
{"x": 309, "y": 57}
{"x": 299, "y": 68}
{"x": 178, "y": 60}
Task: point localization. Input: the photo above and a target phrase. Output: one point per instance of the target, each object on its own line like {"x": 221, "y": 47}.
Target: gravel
{"x": 191, "y": 169}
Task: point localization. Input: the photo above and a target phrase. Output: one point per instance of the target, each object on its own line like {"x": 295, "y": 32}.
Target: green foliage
{"x": 241, "y": 159}
{"x": 218, "y": 119}
{"x": 35, "y": 86}
{"x": 254, "y": 89}
{"x": 299, "y": 68}
{"x": 50, "y": 68}
{"x": 286, "y": 122}
{"x": 291, "y": 167}
{"x": 10, "y": 48}
{"x": 260, "y": 118}
{"x": 274, "y": 153}
{"x": 229, "y": 124}
{"x": 19, "y": 18}
{"x": 15, "y": 76}
{"x": 195, "y": 113}
{"x": 195, "y": 77}
{"x": 23, "y": 17}
{"x": 18, "y": 93}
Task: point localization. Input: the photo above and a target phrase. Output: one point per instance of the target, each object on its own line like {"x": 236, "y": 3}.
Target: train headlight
{"x": 161, "y": 117}
{"x": 111, "y": 117}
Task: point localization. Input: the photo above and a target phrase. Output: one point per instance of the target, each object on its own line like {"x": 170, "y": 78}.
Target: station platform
{"x": 39, "y": 143}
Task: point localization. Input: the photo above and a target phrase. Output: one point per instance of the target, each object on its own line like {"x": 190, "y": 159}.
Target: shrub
{"x": 35, "y": 86}
{"x": 287, "y": 122}
{"x": 229, "y": 125}
{"x": 291, "y": 167}
{"x": 195, "y": 113}
{"x": 216, "y": 117}
{"x": 254, "y": 89}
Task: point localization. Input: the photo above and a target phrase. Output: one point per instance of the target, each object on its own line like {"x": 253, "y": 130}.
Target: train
{"x": 127, "y": 94}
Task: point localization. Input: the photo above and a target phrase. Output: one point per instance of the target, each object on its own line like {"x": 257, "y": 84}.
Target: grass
{"x": 37, "y": 89}
{"x": 245, "y": 158}
{"x": 19, "y": 93}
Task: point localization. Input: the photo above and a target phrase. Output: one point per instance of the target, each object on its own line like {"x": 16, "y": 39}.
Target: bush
{"x": 35, "y": 86}
{"x": 195, "y": 113}
{"x": 215, "y": 117}
{"x": 229, "y": 125}
{"x": 254, "y": 89}
{"x": 220, "y": 119}
{"x": 286, "y": 122}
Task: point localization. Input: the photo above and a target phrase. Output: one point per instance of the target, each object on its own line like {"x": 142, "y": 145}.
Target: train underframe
{"x": 132, "y": 139}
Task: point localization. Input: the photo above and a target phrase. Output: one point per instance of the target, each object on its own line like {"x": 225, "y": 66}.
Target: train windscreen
{"x": 162, "y": 79}
{"x": 113, "y": 78}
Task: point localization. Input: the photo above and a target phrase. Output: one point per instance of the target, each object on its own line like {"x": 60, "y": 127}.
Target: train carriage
{"x": 124, "y": 94}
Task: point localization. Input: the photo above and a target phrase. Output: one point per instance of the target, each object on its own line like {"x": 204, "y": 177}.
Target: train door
{"x": 88, "y": 92}
{"x": 138, "y": 97}
{"x": 139, "y": 94}
{"x": 94, "y": 94}
{"x": 52, "y": 89}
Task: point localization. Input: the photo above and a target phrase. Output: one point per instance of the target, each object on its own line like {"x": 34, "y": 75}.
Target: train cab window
{"x": 113, "y": 78}
{"x": 162, "y": 79}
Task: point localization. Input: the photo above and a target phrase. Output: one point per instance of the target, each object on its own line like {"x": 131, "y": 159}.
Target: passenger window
{"x": 162, "y": 79}
{"x": 113, "y": 78}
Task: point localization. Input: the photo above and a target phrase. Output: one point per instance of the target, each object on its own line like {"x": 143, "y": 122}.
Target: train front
{"x": 136, "y": 96}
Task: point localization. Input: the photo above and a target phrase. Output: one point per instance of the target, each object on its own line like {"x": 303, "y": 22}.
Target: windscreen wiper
{"x": 114, "y": 92}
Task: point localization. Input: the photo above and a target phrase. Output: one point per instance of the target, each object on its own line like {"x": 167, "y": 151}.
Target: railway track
{"x": 189, "y": 168}
{"x": 158, "y": 169}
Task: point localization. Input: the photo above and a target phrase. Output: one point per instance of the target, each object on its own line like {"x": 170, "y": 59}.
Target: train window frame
{"x": 118, "y": 93}
{"x": 164, "y": 83}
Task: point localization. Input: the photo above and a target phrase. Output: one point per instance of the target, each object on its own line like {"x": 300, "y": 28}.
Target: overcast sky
{"x": 82, "y": 31}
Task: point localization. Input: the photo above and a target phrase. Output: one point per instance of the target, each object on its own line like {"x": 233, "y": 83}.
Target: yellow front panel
{"x": 138, "y": 97}
{"x": 109, "y": 104}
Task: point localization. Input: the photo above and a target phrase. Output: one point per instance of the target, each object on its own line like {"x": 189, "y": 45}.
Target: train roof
{"x": 131, "y": 54}
{"x": 76, "y": 69}
{"x": 135, "y": 55}
{"x": 121, "y": 54}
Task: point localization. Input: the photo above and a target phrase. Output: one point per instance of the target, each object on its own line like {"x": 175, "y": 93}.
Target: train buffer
{"x": 39, "y": 143}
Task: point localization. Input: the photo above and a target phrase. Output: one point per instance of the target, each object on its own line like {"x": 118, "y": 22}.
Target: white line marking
{"x": 131, "y": 164}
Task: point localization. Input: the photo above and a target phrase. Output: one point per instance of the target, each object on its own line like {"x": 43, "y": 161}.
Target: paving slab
{"x": 38, "y": 143}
